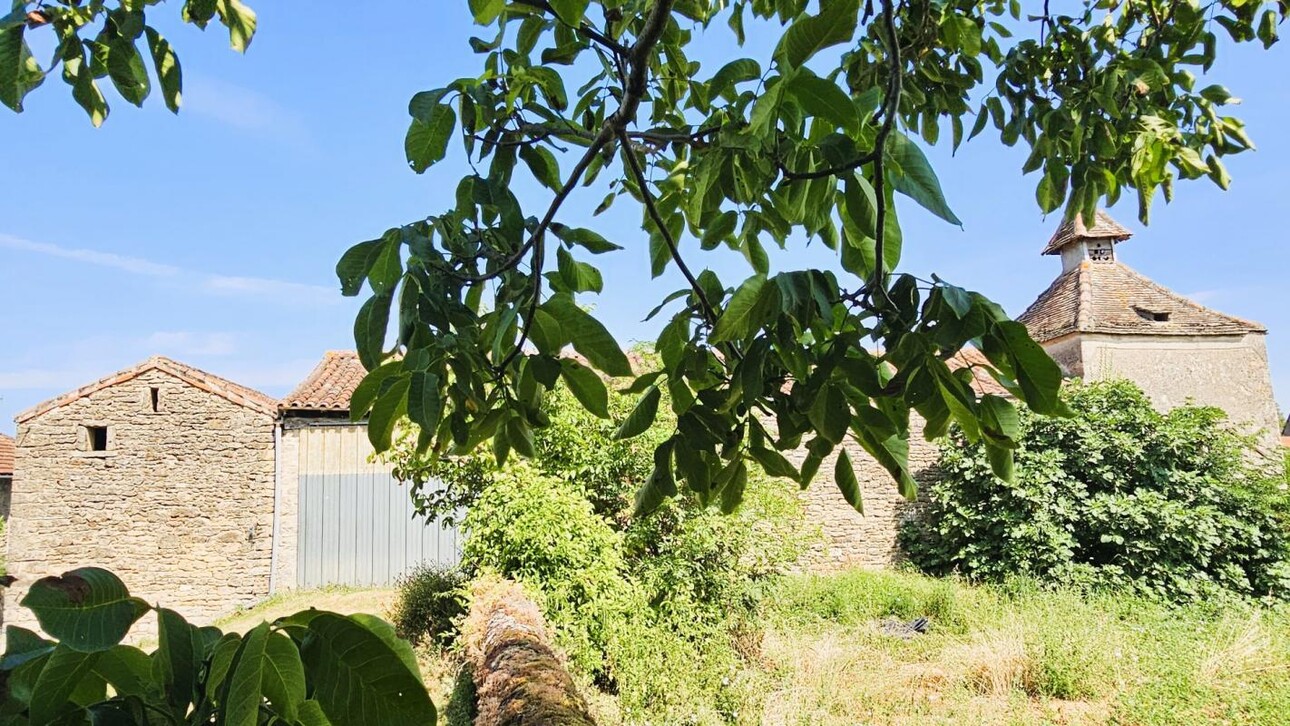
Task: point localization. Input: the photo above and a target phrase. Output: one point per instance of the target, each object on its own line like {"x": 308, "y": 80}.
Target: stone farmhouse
{"x": 206, "y": 495}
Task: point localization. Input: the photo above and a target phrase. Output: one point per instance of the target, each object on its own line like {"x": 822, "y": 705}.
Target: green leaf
{"x": 587, "y": 386}
{"x": 585, "y": 238}
{"x": 570, "y": 12}
{"x": 22, "y": 645}
{"x": 740, "y": 316}
{"x": 427, "y": 141}
{"x": 63, "y": 673}
{"x": 176, "y": 661}
{"x": 240, "y": 21}
{"x": 486, "y": 11}
{"x": 999, "y": 417}
{"x": 387, "y": 267}
{"x": 544, "y": 166}
{"x": 370, "y": 327}
{"x": 1001, "y": 461}
{"x": 661, "y": 484}
{"x": 386, "y": 412}
{"x": 588, "y": 336}
{"x": 1009, "y": 346}
{"x": 243, "y": 690}
{"x": 354, "y": 264}
{"x": 358, "y": 678}
{"x": 87, "y": 609}
{"x": 845, "y": 475}
{"x": 732, "y": 492}
{"x": 733, "y": 73}
{"x": 311, "y": 714}
{"x": 19, "y": 71}
{"x": 283, "y": 678}
{"x": 391, "y": 637}
{"x": 578, "y": 276}
{"x": 360, "y": 402}
{"x": 835, "y": 24}
{"x": 823, "y": 98}
{"x": 774, "y": 462}
{"x": 830, "y": 414}
{"x": 127, "y": 669}
{"x": 127, "y": 71}
{"x": 641, "y": 417}
{"x": 166, "y": 63}
{"x": 916, "y": 178}
{"x": 425, "y": 404}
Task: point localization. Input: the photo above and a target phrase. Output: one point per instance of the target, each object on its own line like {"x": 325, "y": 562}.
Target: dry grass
{"x": 992, "y": 663}
{"x": 345, "y": 601}
{"x": 1242, "y": 648}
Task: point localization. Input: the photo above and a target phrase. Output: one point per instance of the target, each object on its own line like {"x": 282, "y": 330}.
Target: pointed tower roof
{"x": 1074, "y": 230}
{"x": 1109, "y": 297}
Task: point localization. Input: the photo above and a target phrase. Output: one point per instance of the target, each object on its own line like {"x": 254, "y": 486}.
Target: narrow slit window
{"x": 1154, "y": 316}
{"x": 155, "y": 396}
{"x": 96, "y": 438}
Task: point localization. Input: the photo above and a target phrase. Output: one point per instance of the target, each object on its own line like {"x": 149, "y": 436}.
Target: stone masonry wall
{"x": 1228, "y": 372}
{"x": 848, "y": 538}
{"x": 180, "y": 506}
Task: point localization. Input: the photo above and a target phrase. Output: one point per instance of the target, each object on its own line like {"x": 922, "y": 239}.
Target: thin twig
{"x": 888, "y": 123}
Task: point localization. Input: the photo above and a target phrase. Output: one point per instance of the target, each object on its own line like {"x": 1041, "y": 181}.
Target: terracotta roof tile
{"x": 1103, "y": 228}
{"x": 224, "y": 388}
{"x": 329, "y": 386}
{"x": 6, "y": 455}
{"x": 1108, "y": 297}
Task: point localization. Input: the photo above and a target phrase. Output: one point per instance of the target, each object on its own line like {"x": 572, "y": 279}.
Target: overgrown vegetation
{"x": 1119, "y": 495}
{"x": 431, "y": 602}
{"x": 649, "y": 609}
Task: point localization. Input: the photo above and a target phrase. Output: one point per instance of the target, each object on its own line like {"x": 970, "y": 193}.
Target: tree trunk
{"x": 519, "y": 678}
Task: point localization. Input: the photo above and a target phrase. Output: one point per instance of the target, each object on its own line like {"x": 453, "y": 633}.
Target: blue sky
{"x": 211, "y": 237}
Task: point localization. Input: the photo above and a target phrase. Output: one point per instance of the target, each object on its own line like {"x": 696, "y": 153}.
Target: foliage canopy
{"x": 1119, "y": 495}
{"x": 807, "y": 143}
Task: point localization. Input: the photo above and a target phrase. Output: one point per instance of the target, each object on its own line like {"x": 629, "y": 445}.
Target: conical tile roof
{"x": 1074, "y": 229}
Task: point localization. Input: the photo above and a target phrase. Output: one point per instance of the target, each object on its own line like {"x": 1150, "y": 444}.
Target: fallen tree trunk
{"x": 520, "y": 680}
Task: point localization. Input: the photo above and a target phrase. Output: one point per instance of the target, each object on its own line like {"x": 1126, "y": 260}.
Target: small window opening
{"x": 156, "y": 399}
{"x": 1152, "y": 315}
{"x": 96, "y": 438}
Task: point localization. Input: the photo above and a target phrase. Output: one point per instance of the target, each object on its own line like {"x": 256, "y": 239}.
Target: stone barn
{"x": 162, "y": 473}
{"x": 1101, "y": 319}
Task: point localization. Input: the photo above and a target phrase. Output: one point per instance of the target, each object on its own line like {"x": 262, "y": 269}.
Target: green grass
{"x": 1016, "y": 654}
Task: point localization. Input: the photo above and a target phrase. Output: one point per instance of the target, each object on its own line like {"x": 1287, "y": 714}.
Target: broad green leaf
{"x": 845, "y": 475}
{"x": 823, "y": 98}
{"x": 1008, "y": 344}
{"x": 1001, "y": 461}
{"x": 391, "y": 637}
{"x": 732, "y": 491}
{"x": 387, "y": 267}
{"x": 19, "y": 71}
{"x": 427, "y": 141}
{"x": 87, "y": 609}
{"x": 589, "y": 336}
{"x": 360, "y": 402}
{"x": 175, "y": 664}
{"x": 244, "y": 687}
{"x": 544, "y": 166}
{"x": 578, "y": 276}
{"x": 357, "y": 678}
{"x": 127, "y": 669}
{"x": 810, "y": 34}
{"x": 585, "y": 238}
{"x": 221, "y": 660}
{"x": 916, "y": 178}
{"x": 354, "y": 264}
{"x": 641, "y": 417}
{"x": 587, "y": 386}
{"x": 386, "y": 412}
{"x": 830, "y": 414}
{"x": 661, "y": 484}
{"x": 486, "y": 11}
{"x": 62, "y": 674}
{"x": 370, "y": 327}
{"x": 774, "y": 462}
{"x": 733, "y": 73}
{"x": 283, "y": 678}
{"x": 166, "y": 64}
{"x": 22, "y": 645}
{"x": 570, "y": 12}
{"x": 126, "y": 69}
{"x": 999, "y": 417}
{"x": 311, "y": 714}
{"x": 740, "y": 318}
{"x": 425, "y": 404}
{"x": 240, "y": 21}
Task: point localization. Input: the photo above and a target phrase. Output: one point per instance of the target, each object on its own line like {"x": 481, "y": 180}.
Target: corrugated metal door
{"x": 357, "y": 525}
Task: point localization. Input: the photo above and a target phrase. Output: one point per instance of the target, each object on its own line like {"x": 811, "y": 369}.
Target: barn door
{"x": 360, "y": 529}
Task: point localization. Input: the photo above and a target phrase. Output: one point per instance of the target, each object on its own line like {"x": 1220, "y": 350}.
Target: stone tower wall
{"x": 180, "y": 506}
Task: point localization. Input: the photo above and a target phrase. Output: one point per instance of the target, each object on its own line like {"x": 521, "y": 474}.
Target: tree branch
{"x": 888, "y": 123}
{"x": 585, "y": 30}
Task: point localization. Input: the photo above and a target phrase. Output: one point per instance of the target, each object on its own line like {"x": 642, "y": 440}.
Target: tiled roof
{"x": 329, "y": 386}
{"x": 1071, "y": 230}
{"x": 1286, "y": 430}
{"x": 1108, "y": 297}
{"x": 6, "y": 455}
{"x": 226, "y": 389}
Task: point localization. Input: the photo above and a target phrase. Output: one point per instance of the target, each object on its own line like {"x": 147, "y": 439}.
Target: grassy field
{"x": 1013, "y": 656}
{"x": 829, "y": 654}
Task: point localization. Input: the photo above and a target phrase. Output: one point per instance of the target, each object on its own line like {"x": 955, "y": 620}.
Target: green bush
{"x": 431, "y": 602}
{"x": 1118, "y": 495}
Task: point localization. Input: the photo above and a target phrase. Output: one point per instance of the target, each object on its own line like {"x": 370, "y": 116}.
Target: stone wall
{"x": 1230, "y": 372}
{"x": 848, "y": 538}
{"x": 180, "y": 505}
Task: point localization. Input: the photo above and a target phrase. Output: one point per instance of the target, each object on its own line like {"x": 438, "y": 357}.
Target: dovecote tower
{"x": 1100, "y": 319}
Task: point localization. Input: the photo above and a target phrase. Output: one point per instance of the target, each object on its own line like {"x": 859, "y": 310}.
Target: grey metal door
{"x": 360, "y": 529}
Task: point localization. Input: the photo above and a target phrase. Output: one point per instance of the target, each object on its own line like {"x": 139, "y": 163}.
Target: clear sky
{"x": 211, "y": 237}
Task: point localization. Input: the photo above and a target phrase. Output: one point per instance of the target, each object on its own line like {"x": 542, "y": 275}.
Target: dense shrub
{"x": 1118, "y": 495}
{"x": 431, "y": 602}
